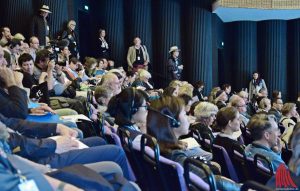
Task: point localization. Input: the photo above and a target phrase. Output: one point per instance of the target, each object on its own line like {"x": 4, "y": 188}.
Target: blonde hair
{"x": 294, "y": 163}
{"x": 205, "y": 110}
{"x": 287, "y": 107}
{"x": 144, "y": 73}
{"x": 187, "y": 89}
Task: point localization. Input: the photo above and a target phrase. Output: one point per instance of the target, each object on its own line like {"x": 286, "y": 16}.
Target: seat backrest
{"x": 258, "y": 171}
{"x": 164, "y": 174}
{"x": 239, "y": 160}
{"x": 220, "y": 155}
{"x": 193, "y": 181}
{"x": 204, "y": 139}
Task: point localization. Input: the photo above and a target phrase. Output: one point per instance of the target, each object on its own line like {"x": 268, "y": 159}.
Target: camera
{"x": 56, "y": 45}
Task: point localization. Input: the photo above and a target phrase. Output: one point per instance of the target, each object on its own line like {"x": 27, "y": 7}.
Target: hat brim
{"x": 174, "y": 50}
{"x": 45, "y": 10}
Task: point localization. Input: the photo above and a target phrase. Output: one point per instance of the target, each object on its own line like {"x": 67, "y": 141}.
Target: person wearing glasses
{"x": 71, "y": 36}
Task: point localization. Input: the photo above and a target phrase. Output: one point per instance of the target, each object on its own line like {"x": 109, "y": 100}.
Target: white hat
{"x": 174, "y": 48}
{"x": 45, "y": 8}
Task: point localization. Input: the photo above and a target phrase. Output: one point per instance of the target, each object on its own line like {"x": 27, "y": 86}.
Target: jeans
{"x": 92, "y": 154}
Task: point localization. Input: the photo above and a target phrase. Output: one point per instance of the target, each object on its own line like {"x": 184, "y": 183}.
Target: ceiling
{"x": 252, "y": 14}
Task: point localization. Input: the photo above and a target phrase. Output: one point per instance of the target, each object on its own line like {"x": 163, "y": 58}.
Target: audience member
{"x": 174, "y": 68}
{"x": 255, "y": 85}
{"x": 289, "y": 111}
{"x": 137, "y": 56}
{"x": 71, "y": 36}
{"x": 34, "y": 46}
{"x": 228, "y": 120}
{"x": 265, "y": 133}
{"x": 103, "y": 45}
{"x": 39, "y": 26}
{"x": 276, "y": 108}
{"x": 198, "y": 91}
{"x": 5, "y": 36}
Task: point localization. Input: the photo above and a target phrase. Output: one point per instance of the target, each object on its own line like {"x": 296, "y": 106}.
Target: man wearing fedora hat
{"x": 174, "y": 69}
{"x": 39, "y": 26}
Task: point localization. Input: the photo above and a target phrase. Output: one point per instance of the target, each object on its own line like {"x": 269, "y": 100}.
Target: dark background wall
{"x": 212, "y": 51}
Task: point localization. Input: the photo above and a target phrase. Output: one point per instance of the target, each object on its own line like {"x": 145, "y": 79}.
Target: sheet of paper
{"x": 81, "y": 145}
{"x": 75, "y": 118}
{"x": 192, "y": 143}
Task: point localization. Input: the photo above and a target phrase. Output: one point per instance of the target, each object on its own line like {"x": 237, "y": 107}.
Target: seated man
{"x": 62, "y": 151}
{"x": 265, "y": 133}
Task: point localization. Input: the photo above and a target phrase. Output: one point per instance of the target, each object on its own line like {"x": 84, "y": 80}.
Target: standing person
{"x": 104, "y": 48}
{"x": 39, "y": 26}
{"x": 255, "y": 85}
{"x": 137, "y": 56}
{"x": 71, "y": 36}
{"x": 174, "y": 69}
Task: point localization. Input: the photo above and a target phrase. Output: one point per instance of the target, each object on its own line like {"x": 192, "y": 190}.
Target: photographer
{"x": 75, "y": 71}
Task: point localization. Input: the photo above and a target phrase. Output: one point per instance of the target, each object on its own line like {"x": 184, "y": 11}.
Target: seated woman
{"x": 90, "y": 66}
{"x": 142, "y": 82}
{"x": 129, "y": 109}
{"x": 205, "y": 114}
{"x": 166, "y": 121}
{"x": 289, "y": 111}
{"x": 228, "y": 120}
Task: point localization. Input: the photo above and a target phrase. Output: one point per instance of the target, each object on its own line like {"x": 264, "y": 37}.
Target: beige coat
{"x": 131, "y": 55}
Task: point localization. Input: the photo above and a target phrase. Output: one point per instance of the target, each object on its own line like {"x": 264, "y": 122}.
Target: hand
{"x": 43, "y": 77}
{"x": 51, "y": 65}
{"x": 42, "y": 109}
{"x": 8, "y": 76}
{"x": 64, "y": 144}
{"x": 70, "y": 187}
{"x": 180, "y": 67}
{"x": 278, "y": 146}
{"x": 66, "y": 131}
{"x": 18, "y": 78}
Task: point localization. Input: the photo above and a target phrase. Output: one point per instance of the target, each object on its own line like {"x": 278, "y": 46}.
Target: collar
{"x": 221, "y": 134}
{"x": 259, "y": 146}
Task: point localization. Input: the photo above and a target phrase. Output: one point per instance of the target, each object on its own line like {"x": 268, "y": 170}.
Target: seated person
{"x": 276, "y": 108}
{"x": 36, "y": 171}
{"x": 75, "y": 71}
{"x": 265, "y": 133}
{"x": 221, "y": 99}
{"x": 205, "y": 114}
{"x": 90, "y": 66}
{"x": 289, "y": 111}
{"x": 292, "y": 174}
{"x": 142, "y": 80}
{"x": 62, "y": 151}
{"x": 166, "y": 121}
{"x": 229, "y": 123}
{"x": 129, "y": 109}
{"x": 100, "y": 67}
{"x": 264, "y": 106}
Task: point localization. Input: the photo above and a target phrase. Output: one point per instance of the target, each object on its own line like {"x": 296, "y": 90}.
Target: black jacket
{"x": 13, "y": 104}
{"x": 37, "y": 28}
{"x": 71, "y": 36}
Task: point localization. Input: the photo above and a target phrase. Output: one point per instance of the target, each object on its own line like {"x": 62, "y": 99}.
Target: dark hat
{"x": 219, "y": 93}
